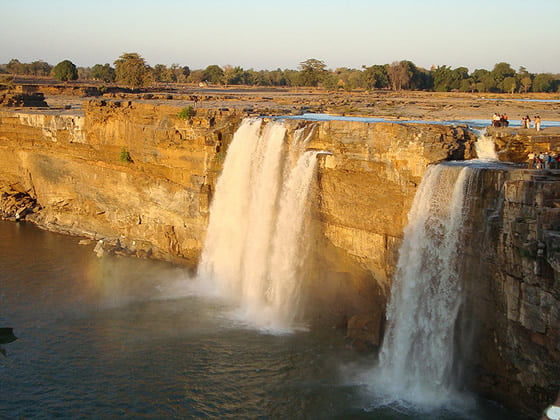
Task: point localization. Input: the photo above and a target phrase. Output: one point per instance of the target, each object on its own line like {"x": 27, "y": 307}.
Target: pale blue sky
{"x": 281, "y": 34}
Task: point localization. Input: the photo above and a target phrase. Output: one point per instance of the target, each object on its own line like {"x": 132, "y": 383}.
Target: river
{"x": 115, "y": 336}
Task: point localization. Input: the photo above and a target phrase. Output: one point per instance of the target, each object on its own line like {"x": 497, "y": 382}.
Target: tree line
{"x": 131, "y": 70}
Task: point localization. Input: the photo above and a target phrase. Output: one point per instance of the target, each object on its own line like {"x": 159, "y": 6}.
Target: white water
{"x": 256, "y": 238}
{"x": 485, "y": 146}
{"x": 417, "y": 360}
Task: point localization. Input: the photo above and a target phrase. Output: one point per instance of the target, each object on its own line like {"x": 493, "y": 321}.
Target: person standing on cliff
{"x": 531, "y": 160}
{"x": 537, "y": 123}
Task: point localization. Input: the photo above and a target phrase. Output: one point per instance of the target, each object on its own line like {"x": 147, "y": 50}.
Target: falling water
{"x": 255, "y": 244}
{"x": 417, "y": 360}
{"x": 485, "y": 146}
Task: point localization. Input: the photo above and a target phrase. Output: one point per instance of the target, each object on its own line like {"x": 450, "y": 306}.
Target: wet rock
{"x": 364, "y": 332}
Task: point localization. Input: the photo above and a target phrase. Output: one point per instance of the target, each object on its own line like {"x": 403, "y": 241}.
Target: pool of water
{"x": 113, "y": 336}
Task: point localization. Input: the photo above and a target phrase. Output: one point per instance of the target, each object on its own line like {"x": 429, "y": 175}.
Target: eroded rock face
{"x": 16, "y": 203}
{"x": 513, "y": 145}
{"x": 518, "y": 292}
{"x": 157, "y": 205}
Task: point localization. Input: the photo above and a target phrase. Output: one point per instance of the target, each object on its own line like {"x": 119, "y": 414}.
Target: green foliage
{"x": 312, "y": 72}
{"x": 402, "y": 75}
{"x": 65, "y": 70}
{"x": 376, "y": 77}
{"x": 104, "y": 72}
{"x": 131, "y": 70}
{"x": 213, "y": 74}
{"x": 36, "y": 68}
{"x": 344, "y": 77}
{"x": 501, "y": 71}
{"x": 446, "y": 79}
{"x": 509, "y": 84}
{"x": 15, "y": 66}
{"x": 186, "y": 113}
{"x": 235, "y": 76}
{"x": 125, "y": 156}
{"x": 543, "y": 82}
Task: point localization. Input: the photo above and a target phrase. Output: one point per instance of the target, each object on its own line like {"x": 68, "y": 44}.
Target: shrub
{"x": 186, "y": 113}
{"x": 65, "y": 70}
{"x": 125, "y": 156}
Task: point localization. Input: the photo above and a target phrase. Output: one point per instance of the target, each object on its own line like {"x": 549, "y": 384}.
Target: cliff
{"x": 139, "y": 178}
{"x": 70, "y": 163}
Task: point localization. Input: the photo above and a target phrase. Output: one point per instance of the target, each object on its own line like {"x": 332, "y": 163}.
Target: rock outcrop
{"x": 516, "y": 288}
{"x": 513, "y": 145}
{"x": 70, "y": 162}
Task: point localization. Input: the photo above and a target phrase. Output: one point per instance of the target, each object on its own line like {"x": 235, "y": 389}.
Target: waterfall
{"x": 256, "y": 238}
{"x": 417, "y": 359}
{"x": 485, "y": 146}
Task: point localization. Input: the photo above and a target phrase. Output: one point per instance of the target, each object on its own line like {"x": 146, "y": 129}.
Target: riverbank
{"x": 432, "y": 106}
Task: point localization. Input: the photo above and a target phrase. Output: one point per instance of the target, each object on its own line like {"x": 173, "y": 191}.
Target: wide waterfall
{"x": 418, "y": 360}
{"x": 256, "y": 240}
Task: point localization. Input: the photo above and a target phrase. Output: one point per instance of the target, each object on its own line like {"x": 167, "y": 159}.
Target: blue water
{"x": 475, "y": 123}
{"x": 118, "y": 337}
{"x": 520, "y": 100}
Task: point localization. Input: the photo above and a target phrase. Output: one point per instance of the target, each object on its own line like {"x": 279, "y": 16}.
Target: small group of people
{"x": 526, "y": 122}
{"x": 543, "y": 160}
{"x": 500, "y": 120}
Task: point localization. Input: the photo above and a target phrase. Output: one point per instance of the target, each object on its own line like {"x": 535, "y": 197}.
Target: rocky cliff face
{"x": 139, "y": 178}
{"x": 153, "y": 203}
{"x": 518, "y": 292}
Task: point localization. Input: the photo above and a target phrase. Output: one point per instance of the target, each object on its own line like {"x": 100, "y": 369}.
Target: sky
{"x": 262, "y": 34}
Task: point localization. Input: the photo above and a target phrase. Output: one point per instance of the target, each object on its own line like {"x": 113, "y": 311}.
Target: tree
{"x": 312, "y": 72}
{"x": 131, "y": 70}
{"x": 180, "y": 74}
{"x": 196, "y": 76}
{"x": 64, "y": 71}
{"x": 376, "y": 77}
{"x": 40, "y": 68}
{"x": 234, "y": 75}
{"x": 501, "y": 71}
{"x": 524, "y": 79}
{"x": 446, "y": 79}
{"x": 104, "y": 72}
{"x": 401, "y": 74}
{"x": 15, "y": 66}
{"x": 485, "y": 81}
{"x": 509, "y": 84}
{"x": 443, "y": 78}
{"x": 348, "y": 78}
{"x": 214, "y": 74}
{"x": 543, "y": 82}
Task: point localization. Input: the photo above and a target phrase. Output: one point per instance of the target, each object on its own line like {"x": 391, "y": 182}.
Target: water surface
{"x": 112, "y": 336}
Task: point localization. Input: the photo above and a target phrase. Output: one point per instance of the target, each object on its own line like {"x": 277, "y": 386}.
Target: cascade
{"x": 256, "y": 239}
{"x": 418, "y": 360}
{"x": 484, "y": 146}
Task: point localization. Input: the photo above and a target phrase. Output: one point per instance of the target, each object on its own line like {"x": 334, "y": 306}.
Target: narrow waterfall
{"x": 417, "y": 360}
{"x": 485, "y": 146}
{"x": 256, "y": 239}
